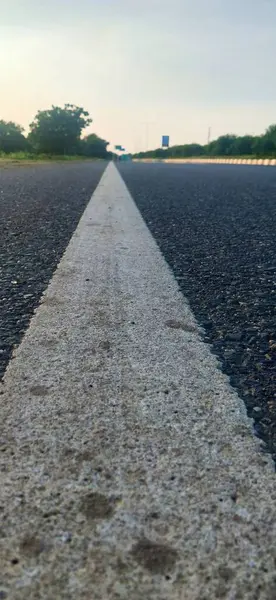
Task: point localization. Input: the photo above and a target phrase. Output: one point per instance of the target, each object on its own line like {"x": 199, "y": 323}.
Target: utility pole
{"x": 209, "y": 135}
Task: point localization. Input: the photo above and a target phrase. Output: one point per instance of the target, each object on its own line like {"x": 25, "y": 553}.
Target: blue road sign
{"x": 165, "y": 141}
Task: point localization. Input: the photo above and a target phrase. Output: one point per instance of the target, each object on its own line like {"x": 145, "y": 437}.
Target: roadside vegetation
{"x": 247, "y": 146}
{"x": 55, "y": 134}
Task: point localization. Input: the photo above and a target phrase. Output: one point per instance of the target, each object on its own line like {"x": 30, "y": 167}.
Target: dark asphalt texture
{"x": 40, "y": 207}
{"x": 216, "y": 227}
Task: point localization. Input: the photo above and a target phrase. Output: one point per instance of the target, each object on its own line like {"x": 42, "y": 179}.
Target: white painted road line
{"x": 130, "y": 468}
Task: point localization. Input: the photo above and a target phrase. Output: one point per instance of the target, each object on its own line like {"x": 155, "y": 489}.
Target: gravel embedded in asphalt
{"x": 40, "y": 207}
{"x": 216, "y": 227}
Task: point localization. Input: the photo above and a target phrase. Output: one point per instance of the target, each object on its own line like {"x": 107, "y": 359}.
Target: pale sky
{"x": 142, "y": 68}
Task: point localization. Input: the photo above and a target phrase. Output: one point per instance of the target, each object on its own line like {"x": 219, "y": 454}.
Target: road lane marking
{"x": 130, "y": 467}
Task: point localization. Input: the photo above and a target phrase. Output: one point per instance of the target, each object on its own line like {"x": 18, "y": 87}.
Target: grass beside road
{"x": 28, "y": 158}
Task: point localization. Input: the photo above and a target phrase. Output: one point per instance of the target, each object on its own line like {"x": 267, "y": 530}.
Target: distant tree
{"x": 244, "y": 145}
{"x": 257, "y": 145}
{"x": 176, "y": 151}
{"x": 58, "y": 130}
{"x": 194, "y": 150}
{"x": 223, "y": 146}
{"x": 264, "y": 146}
{"x": 270, "y": 134}
{"x": 94, "y": 146}
{"x": 210, "y": 148}
{"x": 159, "y": 153}
{"x": 11, "y": 137}
{"x": 269, "y": 141}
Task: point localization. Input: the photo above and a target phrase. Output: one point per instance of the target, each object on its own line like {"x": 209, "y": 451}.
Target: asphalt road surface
{"x": 129, "y": 468}
{"x": 40, "y": 208}
{"x": 216, "y": 227}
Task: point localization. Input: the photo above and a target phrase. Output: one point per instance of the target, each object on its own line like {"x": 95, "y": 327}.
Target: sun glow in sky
{"x": 142, "y": 69}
